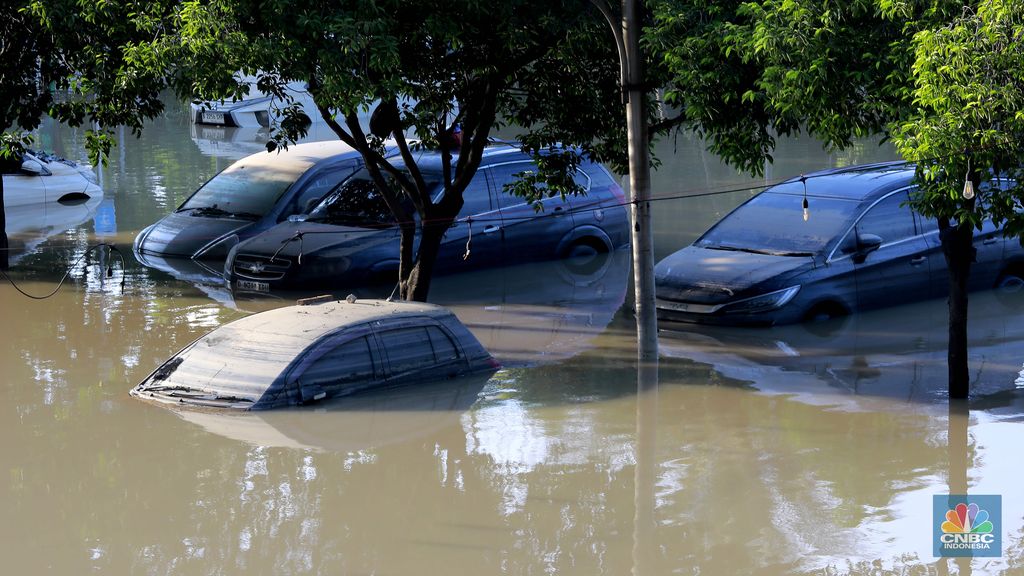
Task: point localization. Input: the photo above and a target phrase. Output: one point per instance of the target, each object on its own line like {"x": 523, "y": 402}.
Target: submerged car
{"x": 247, "y": 197}
{"x": 309, "y": 353}
{"x": 350, "y": 239}
{"x": 856, "y": 246}
{"x": 38, "y": 179}
{"x": 256, "y": 109}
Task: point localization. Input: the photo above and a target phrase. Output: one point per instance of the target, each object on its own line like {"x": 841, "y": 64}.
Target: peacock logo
{"x": 967, "y": 525}
{"x": 967, "y": 519}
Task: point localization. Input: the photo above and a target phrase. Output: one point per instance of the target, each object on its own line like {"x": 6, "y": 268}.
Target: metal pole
{"x": 639, "y": 186}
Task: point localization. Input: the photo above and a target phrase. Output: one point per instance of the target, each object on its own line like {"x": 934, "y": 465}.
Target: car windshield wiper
{"x": 216, "y": 211}
{"x": 758, "y": 251}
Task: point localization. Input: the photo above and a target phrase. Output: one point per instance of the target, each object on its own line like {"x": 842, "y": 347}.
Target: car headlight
{"x": 762, "y": 303}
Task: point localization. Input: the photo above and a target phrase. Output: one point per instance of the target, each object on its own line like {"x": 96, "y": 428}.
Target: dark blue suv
{"x": 350, "y": 239}
{"x": 858, "y": 246}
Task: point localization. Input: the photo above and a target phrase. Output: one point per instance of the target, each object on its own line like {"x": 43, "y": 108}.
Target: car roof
{"x": 496, "y": 152}
{"x": 299, "y": 157}
{"x": 245, "y": 357}
{"x": 858, "y": 183}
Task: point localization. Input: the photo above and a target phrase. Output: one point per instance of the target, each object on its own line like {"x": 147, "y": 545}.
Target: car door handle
{"x": 491, "y": 228}
{"x": 990, "y": 241}
{"x": 557, "y": 211}
{"x": 918, "y": 261}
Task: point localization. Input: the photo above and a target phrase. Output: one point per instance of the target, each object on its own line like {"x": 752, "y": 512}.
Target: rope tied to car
{"x": 469, "y": 239}
{"x": 109, "y": 271}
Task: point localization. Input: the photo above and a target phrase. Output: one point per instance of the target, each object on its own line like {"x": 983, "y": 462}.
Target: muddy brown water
{"x": 781, "y": 451}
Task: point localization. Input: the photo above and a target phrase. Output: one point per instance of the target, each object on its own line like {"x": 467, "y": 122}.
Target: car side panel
{"x": 477, "y": 231}
{"x": 529, "y": 235}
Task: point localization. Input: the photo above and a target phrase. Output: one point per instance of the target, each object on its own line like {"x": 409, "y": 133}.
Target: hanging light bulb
{"x": 968, "y": 188}
{"x": 968, "y": 185}
{"x": 807, "y": 213}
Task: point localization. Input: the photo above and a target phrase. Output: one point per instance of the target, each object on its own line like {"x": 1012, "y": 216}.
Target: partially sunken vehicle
{"x": 308, "y": 353}
{"x": 246, "y": 198}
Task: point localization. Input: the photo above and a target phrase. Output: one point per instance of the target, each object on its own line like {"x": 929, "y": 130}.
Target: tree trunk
{"x": 417, "y": 286}
{"x": 958, "y": 247}
{"x": 4, "y": 262}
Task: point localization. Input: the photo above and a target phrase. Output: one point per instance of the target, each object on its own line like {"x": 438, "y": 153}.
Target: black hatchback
{"x": 856, "y": 246}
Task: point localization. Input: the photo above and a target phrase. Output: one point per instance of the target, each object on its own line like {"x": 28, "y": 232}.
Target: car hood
{"x": 707, "y": 276}
{"x": 290, "y": 239}
{"x": 181, "y": 234}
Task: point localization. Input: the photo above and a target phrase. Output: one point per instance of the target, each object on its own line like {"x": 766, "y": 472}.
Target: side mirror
{"x": 32, "y": 168}
{"x": 866, "y": 244}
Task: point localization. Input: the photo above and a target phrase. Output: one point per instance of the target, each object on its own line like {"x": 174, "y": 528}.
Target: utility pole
{"x": 639, "y": 185}
{"x": 634, "y": 95}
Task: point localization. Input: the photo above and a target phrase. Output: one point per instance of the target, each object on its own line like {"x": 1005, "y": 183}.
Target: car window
{"x": 243, "y": 188}
{"x": 408, "y": 349}
{"x": 349, "y": 362}
{"x": 506, "y": 173}
{"x": 444, "y": 348}
{"x": 774, "y": 223}
{"x": 357, "y": 202}
{"x": 317, "y": 187}
{"x": 477, "y": 197}
{"x": 890, "y": 219}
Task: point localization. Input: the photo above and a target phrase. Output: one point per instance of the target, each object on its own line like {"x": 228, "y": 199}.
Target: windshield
{"x": 357, "y": 202}
{"x": 773, "y": 223}
{"x": 244, "y": 189}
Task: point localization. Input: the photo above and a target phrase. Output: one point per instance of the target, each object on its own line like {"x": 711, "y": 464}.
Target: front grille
{"x": 260, "y": 267}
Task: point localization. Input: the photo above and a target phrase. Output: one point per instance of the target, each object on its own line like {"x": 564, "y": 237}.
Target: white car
{"x": 44, "y": 179}
{"x": 255, "y": 110}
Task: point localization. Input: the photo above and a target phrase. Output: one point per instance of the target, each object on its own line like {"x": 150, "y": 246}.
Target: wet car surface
{"x": 246, "y": 198}
{"x": 350, "y": 239}
{"x": 857, "y": 246}
{"x": 318, "y": 351}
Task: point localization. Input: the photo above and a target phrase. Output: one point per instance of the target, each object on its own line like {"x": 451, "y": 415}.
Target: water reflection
{"x": 752, "y": 459}
{"x": 896, "y": 353}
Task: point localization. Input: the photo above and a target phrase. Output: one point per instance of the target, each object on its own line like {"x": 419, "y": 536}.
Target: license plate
{"x": 253, "y": 285}
{"x": 213, "y": 117}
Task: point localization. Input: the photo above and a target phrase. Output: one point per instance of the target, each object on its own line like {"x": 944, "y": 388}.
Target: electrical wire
{"x": 109, "y": 272}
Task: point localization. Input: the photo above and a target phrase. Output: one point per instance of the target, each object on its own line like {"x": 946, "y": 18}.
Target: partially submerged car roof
{"x": 855, "y": 183}
{"x": 254, "y": 362}
{"x": 306, "y": 154}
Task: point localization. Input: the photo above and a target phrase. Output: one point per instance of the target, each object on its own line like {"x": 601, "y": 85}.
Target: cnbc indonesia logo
{"x": 968, "y": 528}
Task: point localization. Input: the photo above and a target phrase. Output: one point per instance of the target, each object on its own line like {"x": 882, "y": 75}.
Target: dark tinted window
{"x": 891, "y": 219}
{"x": 349, "y": 362}
{"x": 477, "y": 197}
{"x": 317, "y": 187}
{"x": 444, "y": 348}
{"x": 408, "y": 349}
{"x": 506, "y": 173}
{"x": 357, "y": 202}
{"x": 774, "y": 223}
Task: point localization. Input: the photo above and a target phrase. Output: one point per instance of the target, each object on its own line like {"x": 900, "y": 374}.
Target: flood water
{"x": 792, "y": 450}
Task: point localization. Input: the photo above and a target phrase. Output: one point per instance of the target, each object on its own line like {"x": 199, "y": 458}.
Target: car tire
{"x": 825, "y": 319}
{"x": 1010, "y": 289}
{"x": 586, "y": 257}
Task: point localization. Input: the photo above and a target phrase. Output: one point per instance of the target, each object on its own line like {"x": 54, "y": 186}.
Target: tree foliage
{"x": 426, "y": 68}
{"x": 941, "y": 78}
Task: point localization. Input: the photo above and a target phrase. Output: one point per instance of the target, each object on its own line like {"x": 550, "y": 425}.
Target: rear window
{"x": 244, "y": 188}
{"x": 773, "y": 223}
